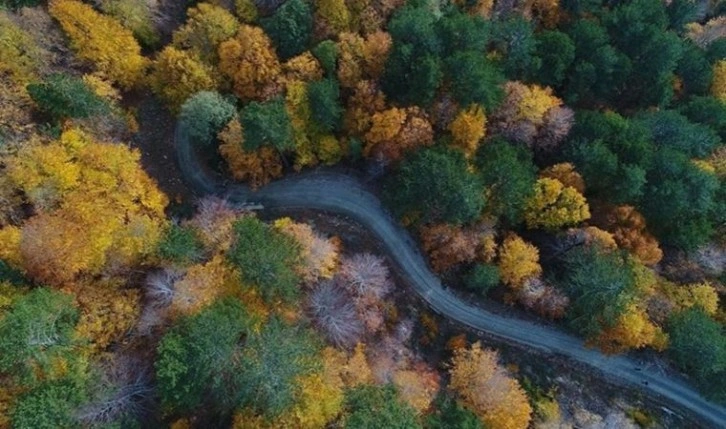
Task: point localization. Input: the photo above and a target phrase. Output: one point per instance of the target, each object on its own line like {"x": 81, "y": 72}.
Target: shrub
{"x": 482, "y": 278}
{"x": 63, "y": 96}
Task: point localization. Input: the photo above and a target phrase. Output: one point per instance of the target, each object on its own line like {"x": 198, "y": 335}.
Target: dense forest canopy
{"x": 565, "y": 157}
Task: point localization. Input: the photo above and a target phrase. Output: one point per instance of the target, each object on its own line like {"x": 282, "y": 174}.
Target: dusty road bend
{"x": 344, "y": 195}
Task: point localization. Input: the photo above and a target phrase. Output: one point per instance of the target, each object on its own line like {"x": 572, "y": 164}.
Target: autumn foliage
{"x": 488, "y": 390}
{"x": 101, "y": 40}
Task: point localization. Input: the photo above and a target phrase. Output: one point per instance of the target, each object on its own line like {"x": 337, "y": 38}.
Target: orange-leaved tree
{"x": 176, "y": 75}
{"x": 251, "y": 62}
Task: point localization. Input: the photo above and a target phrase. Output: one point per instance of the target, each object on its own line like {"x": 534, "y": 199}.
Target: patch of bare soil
{"x": 155, "y": 140}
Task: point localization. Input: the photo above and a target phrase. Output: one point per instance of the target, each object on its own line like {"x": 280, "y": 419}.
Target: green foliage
{"x": 612, "y": 153}
{"x": 327, "y": 54}
{"x": 267, "y": 124}
{"x": 698, "y": 346}
{"x": 290, "y": 28}
{"x": 460, "y": 31}
{"x": 450, "y": 414}
{"x": 271, "y": 363}
{"x": 678, "y": 200}
{"x": 195, "y": 362}
{"x": 514, "y": 39}
{"x": 556, "y": 52}
{"x": 436, "y": 185}
{"x": 707, "y": 111}
{"x": 598, "y": 67}
{"x": 639, "y": 30}
{"x": 672, "y": 130}
{"x": 136, "y": 15}
{"x": 63, "y": 96}
{"x": 266, "y": 259}
{"x": 48, "y": 406}
{"x": 413, "y": 68}
{"x": 695, "y": 70}
{"x": 474, "y": 79}
{"x": 37, "y": 328}
{"x": 325, "y": 108}
{"x": 682, "y": 12}
{"x": 600, "y": 285}
{"x": 482, "y": 278}
{"x": 509, "y": 173}
{"x": 204, "y": 114}
{"x": 411, "y": 77}
{"x": 181, "y": 245}
{"x": 11, "y": 275}
{"x": 372, "y": 407}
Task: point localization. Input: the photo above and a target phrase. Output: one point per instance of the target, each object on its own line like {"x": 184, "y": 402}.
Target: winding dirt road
{"x": 341, "y": 194}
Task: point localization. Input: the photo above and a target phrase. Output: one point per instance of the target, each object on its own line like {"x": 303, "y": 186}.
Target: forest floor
{"x": 578, "y": 387}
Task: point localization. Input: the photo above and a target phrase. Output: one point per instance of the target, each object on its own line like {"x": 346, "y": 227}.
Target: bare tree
{"x": 159, "y": 286}
{"x": 335, "y": 314}
{"x": 366, "y": 274}
{"x": 124, "y": 391}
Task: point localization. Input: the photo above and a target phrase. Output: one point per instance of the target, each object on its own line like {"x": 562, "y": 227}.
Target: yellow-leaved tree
{"x": 518, "y": 261}
{"x": 487, "y": 389}
{"x": 718, "y": 85}
{"x": 632, "y": 330}
{"x": 101, "y": 40}
{"x": 554, "y": 205}
{"x": 96, "y": 207}
{"x": 207, "y": 26}
{"x": 177, "y": 74}
{"x": 468, "y": 128}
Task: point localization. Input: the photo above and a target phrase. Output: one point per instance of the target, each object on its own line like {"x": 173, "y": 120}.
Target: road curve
{"x": 342, "y": 194}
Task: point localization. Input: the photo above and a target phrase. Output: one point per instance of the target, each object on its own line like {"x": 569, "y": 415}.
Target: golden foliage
{"x": 108, "y": 312}
{"x": 718, "y": 85}
{"x": 554, "y": 205}
{"x": 304, "y": 67}
{"x": 366, "y": 100}
{"x": 320, "y": 255}
{"x": 102, "y": 87}
{"x": 356, "y": 370}
{"x": 633, "y": 330}
{"x": 176, "y": 75}
{"x": 332, "y": 16}
{"x": 488, "y": 390}
{"x": 20, "y": 55}
{"x": 395, "y": 131}
{"x": 529, "y": 102}
{"x": 376, "y": 47}
{"x": 566, "y": 174}
{"x": 256, "y": 168}
{"x": 246, "y": 11}
{"x": 350, "y": 55}
{"x": 82, "y": 226}
{"x": 203, "y": 284}
{"x": 101, "y": 40}
{"x": 298, "y": 108}
{"x": 417, "y": 386}
{"x": 207, "y": 26}
{"x": 251, "y": 62}
{"x": 703, "y": 295}
{"x": 518, "y": 261}
{"x": 10, "y": 237}
{"x": 468, "y": 128}
{"x": 629, "y": 230}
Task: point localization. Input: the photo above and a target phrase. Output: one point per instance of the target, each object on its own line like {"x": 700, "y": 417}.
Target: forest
{"x": 560, "y": 160}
